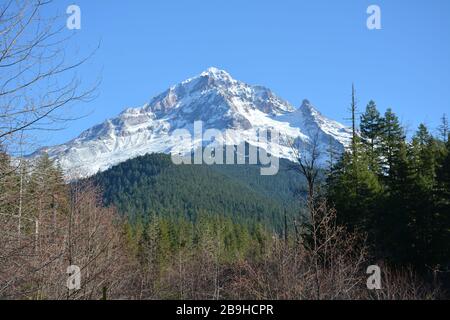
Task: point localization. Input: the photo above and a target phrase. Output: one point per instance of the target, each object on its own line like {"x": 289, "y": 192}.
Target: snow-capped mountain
{"x": 214, "y": 98}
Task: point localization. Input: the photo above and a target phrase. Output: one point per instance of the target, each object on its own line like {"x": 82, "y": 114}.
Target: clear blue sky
{"x": 299, "y": 49}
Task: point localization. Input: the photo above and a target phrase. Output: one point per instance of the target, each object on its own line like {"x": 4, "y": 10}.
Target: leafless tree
{"x": 83, "y": 233}
{"x": 307, "y": 155}
{"x": 336, "y": 257}
{"x": 37, "y": 86}
{"x": 37, "y": 82}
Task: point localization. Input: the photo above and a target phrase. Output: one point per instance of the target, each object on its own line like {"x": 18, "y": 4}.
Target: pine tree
{"x": 352, "y": 187}
{"x": 424, "y": 152}
{"x": 354, "y": 191}
{"x": 429, "y": 221}
{"x": 371, "y": 132}
{"x": 442, "y": 209}
{"x": 392, "y": 141}
{"x": 394, "y": 214}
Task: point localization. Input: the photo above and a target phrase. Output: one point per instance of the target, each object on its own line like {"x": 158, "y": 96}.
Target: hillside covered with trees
{"x": 153, "y": 186}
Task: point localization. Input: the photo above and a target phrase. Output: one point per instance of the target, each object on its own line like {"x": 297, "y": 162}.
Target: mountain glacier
{"x": 214, "y": 98}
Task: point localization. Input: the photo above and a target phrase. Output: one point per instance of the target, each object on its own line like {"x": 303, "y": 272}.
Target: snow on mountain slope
{"x": 214, "y": 98}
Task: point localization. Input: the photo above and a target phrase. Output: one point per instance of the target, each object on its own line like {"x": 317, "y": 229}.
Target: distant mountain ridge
{"x": 214, "y": 98}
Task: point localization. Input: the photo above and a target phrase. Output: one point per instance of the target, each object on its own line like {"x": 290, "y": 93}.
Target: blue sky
{"x": 299, "y": 49}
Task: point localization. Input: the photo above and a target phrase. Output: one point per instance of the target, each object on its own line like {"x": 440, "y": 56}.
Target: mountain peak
{"x": 213, "y": 97}
{"x": 214, "y": 70}
{"x": 210, "y": 78}
{"x": 215, "y": 73}
{"x": 308, "y": 108}
{"x": 306, "y": 102}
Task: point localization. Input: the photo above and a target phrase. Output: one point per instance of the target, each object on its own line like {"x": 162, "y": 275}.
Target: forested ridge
{"x": 152, "y": 185}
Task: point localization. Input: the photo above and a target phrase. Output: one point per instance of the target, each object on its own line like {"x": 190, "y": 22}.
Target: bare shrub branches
{"x": 37, "y": 81}
{"x": 60, "y": 229}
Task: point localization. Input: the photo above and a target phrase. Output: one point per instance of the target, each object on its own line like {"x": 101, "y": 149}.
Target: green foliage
{"x": 224, "y": 213}
{"x": 152, "y": 186}
{"x": 163, "y": 238}
{"x": 392, "y": 142}
{"x": 371, "y": 133}
{"x": 397, "y": 192}
{"x": 355, "y": 191}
